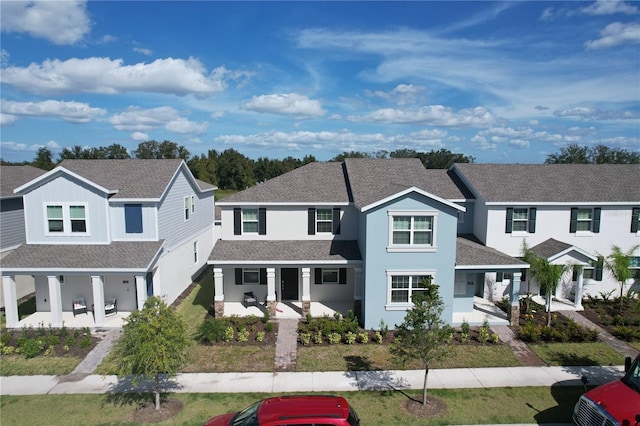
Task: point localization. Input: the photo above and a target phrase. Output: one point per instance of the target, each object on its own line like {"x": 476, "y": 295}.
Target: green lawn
{"x": 464, "y": 406}
{"x": 578, "y": 354}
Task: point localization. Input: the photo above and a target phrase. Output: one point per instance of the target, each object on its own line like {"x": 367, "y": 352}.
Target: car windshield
{"x": 246, "y": 417}
{"x": 632, "y": 378}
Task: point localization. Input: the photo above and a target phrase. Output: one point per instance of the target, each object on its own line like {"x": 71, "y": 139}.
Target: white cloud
{"x": 521, "y": 137}
{"x": 140, "y": 120}
{"x": 23, "y": 147}
{"x": 139, "y": 136}
{"x": 60, "y": 22}
{"x": 615, "y": 34}
{"x": 72, "y": 112}
{"x": 7, "y": 119}
{"x": 285, "y": 104}
{"x": 104, "y": 75}
{"x": 609, "y": 7}
{"x": 402, "y": 94}
{"x": 433, "y": 115}
{"x": 146, "y": 52}
{"x": 590, "y": 113}
{"x": 218, "y": 114}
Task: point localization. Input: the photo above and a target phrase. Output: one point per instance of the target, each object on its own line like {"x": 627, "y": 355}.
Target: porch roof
{"x": 471, "y": 254}
{"x": 290, "y": 251}
{"x": 551, "y": 249}
{"x": 134, "y": 256}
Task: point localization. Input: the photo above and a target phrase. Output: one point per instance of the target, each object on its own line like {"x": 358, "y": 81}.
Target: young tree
{"x": 423, "y": 335}
{"x": 531, "y": 258}
{"x": 548, "y": 277}
{"x": 152, "y": 344}
{"x": 618, "y": 264}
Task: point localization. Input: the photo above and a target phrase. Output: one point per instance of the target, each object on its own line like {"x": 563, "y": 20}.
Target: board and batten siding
{"x": 149, "y": 223}
{"x": 11, "y": 223}
{"x": 66, "y": 190}
{"x": 173, "y": 228}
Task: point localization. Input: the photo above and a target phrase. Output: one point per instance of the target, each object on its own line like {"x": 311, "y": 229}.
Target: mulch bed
{"x": 607, "y": 314}
{"x": 147, "y": 413}
{"x": 434, "y": 408}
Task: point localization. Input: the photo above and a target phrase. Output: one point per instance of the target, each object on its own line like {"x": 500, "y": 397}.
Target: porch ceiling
{"x": 226, "y": 251}
{"x": 118, "y": 255}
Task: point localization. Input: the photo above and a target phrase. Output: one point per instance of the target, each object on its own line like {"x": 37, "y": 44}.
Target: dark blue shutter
{"x": 532, "y": 220}
{"x": 133, "y": 218}
{"x": 263, "y": 276}
{"x": 318, "y": 275}
{"x": 499, "y": 277}
{"x": 509, "y": 225}
{"x": 336, "y": 221}
{"x": 262, "y": 221}
{"x": 311, "y": 221}
{"x": 342, "y": 276}
{"x": 635, "y": 219}
{"x": 599, "y": 267}
{"x": 596, "y": 220}
{"x": 238, "y": 276}
{"x": 237, "y": 221}
{"x": 573, "y": 224}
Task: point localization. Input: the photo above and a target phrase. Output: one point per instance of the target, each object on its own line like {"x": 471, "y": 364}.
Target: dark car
{"x": 292, "y": 410}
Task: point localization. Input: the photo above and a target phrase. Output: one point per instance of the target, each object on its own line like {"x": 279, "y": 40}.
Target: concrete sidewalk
{"x": 283, "y": 382}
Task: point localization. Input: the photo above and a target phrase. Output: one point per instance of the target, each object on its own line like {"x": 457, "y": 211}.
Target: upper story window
{"x": 635, "y": 219}
{"x": 521, "y": 219}
{"x": 133, "y": 218}
{"x": 249, "y": 221}
{"x": 585, "y": 220}
{"x": 66, "y": 219}
{"x": 324, "y": 221}
{"x": 415, "y": 231}
{"x": 187, "y": 207}
{"x": 402, "y": 287}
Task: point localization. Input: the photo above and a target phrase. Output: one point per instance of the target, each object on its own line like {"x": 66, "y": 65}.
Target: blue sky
{"x": 503, "y": 82}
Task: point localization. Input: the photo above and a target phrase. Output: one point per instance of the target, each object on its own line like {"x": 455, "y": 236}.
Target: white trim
{"x": 284, "y": 262}
{"x": 391, "y": 247}
{"x": 408, "y": 191}
{"x": 491, "y": 267}
{"x": 51, "y": 175}
{"x": 567, "y": 204}
{"x": 390, "y": 273}
{"x": 66, "y": 219}
{"x": 284, "y": 204}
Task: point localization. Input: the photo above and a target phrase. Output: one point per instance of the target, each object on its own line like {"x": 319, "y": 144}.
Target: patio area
{"x": 43, "y": 319}
{"x": 288, "y": 309}
{"x": 483, "y": 309}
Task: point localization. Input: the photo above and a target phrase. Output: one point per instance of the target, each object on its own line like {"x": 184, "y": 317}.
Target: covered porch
{"x": 289, "y": 309}
{"x": 69, "y": 320}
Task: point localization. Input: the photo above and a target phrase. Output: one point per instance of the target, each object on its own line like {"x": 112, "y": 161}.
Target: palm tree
{"x": 531, "y": 258}
{"x": 618, "y": 264}
{"x": 548, "y": 276}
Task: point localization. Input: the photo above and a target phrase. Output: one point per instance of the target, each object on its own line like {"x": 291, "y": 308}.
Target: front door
{"x": 289, "y": 283}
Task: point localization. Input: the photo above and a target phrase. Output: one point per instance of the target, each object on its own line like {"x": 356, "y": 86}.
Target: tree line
{"x": 229, "y": 169}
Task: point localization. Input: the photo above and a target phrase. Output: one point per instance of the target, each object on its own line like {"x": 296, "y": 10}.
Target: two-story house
{"x": 570, "y": 214}
{"x": 105, "y": 231}
{"x": 361, "y": 235}
{"x": 12, "y": 233}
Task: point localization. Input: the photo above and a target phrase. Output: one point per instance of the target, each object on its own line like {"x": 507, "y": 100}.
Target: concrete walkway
{"x": 286, "y": 345}
{"x": 93, "y": 359}
{"x": 525, "y": 355}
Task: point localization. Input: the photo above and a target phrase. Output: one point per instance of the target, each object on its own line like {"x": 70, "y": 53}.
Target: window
{"x": 54, "y": 219}
{"x": 411, "y": 232}
{"x": 66, "y": 219}
{"x": 195, "y": 252}
{"x": 521, "y": 219}
{"x": 187, "y": 208}
{"x": 133, "y": 218}
{"x": 249, "y": 221}
{"x": 585, "y": 220}
{"x": 403, "y": 287}
{"x": 635, "y": 219}
{"x": 193, "y": 204}
{"x": 324, "y": 220}
{"x": 331, "y": 275}
{"x": 251, "y": 276}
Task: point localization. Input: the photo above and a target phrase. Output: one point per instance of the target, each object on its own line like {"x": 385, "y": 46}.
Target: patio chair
{"x": 249, "y": 299}
{"x": 111, "y": 306}
{"x": 79, "y": 306}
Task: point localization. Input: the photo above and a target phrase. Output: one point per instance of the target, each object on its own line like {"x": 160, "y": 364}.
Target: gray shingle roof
{"x": 303, "y": 251}
{"x": 373, "y": 180}
{"x": 469, "y": 252}
{"x": 562, "y": 183}
{"x": 549, "y": 248}
{"x": 11, "y": 177}
{"x": 117, "y": 255}
{"x": 312, "y": 183}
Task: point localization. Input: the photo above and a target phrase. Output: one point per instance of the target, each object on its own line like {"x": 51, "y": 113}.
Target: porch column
{"x": 10, "y": 301}
{"x": 55, "y": 300}
{"x": 357, "y": 292}
{"x": 577, "y": 303}
{"x": 306, "y": 291}
{"x": 514, "y": 298}
{"x": 218, "y": 293}
{"x": 141, "y": 290}
{"x": 271, "y": 291}
{"x": 98, "y": 300}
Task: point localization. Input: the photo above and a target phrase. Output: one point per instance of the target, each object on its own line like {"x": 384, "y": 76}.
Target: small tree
{"x": 618, "y": 264}
{"x": 531, "y": 258}
{"x": 153, "y": 343}
{"x": 548, "y": 276}
{"x": 423, "y": 335}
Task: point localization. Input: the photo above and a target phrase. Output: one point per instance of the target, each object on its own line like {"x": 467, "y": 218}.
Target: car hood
{"x": 617, "y": 398}
{"x": 222, "y": 420}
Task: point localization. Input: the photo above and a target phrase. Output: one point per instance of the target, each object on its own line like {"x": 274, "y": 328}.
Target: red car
{"x": 292, "y": 410}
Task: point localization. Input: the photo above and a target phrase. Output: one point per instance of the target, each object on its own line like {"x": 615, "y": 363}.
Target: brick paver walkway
{"x": 89, "y": 364}
{"x": 526, "y": 356}
{"x": 286, "y": 345}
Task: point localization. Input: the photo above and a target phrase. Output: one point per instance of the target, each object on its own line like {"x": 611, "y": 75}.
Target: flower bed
{"x": 623, "y": 322}
{"x": 32, "y": 342}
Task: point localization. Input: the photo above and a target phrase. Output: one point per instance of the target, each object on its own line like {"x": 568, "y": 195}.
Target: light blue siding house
{"x": 103, "y": 235}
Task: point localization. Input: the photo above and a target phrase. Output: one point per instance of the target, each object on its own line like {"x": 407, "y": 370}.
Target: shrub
{"x": 210, "y": 331}
{"x": 317, "y": 337}
{"x": 363, "y": 337}
{"x": 268, "y": 327}
{"x": 384, "y": 328}
{"x": 466, "y": 329}
{"x": 32, "y": 348}
{"x": 229, "y": 332}
{"x": 7, "y": 350}
{"x": 495, "y": 338}
{"x": 265, "y": 317}
{"x": 483, "y": 334}
{"x": 305, "y": 339}
{"x": 378, "y": 338}
{"x": 464, "y": 337}
{"x": 243, "y": 334}
{"x": 53, "y": 339}
{"x": 529, "y": 332}
{"x": 334, "y": 338}
{"x": 85, "y": 342}
{"x": 5, "y": 338}
{"x": 350, "y": 338}
{"x": 260, "y": 336}
{"x": 71, "y": 340}
{"x": 626, "y": 333}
